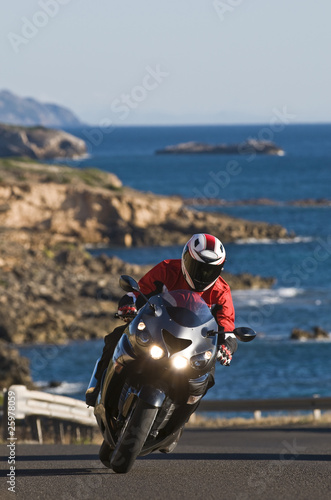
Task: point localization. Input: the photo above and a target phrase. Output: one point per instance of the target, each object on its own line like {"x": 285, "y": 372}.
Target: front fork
{"x": 93, "y": 380}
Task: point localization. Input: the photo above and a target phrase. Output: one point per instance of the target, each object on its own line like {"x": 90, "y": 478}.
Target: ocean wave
{"x": 289, "y": 292}
{"x": 63, "y": 388}
{"x": 270, "y": 337}
{"x": 270, "y": 241}
{"x": 255, "y": 298}
{"x": 74, "y": 160}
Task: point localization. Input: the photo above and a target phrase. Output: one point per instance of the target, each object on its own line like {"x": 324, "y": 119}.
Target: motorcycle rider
{"x": 199, "y": 269}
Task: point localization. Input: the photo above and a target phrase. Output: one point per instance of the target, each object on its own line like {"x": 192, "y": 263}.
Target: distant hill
{"x": 17, "y": 110}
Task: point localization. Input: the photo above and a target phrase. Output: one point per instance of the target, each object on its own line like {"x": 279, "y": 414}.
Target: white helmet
{"x": 202, "y": 261}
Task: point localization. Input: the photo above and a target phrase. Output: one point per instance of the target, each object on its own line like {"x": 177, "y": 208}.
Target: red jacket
{"x": 169, "y": 274}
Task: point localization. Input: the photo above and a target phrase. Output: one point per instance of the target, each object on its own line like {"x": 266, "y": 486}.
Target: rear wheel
{"x": 133, "y": 437}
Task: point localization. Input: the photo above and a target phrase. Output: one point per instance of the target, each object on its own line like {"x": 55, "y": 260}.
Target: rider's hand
{"x": 224, "y": 355}
{"x": 127, "y": 312}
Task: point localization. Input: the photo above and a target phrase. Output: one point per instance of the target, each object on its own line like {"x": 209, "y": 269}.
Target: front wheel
{"x": 132, "y": 440}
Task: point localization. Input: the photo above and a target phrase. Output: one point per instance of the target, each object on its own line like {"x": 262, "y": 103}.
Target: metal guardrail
{"x": 315, "y": 404}
{"x": 49, "y": 405}
{"x": 33, "y": 405}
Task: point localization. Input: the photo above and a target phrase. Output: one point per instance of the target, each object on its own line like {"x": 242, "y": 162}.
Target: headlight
{"x": 179, "y": 362}
{"x": 156, "y": 352}
{"x": 200, "y": 360}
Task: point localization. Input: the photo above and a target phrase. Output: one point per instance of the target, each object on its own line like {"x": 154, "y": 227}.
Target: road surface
{"x": 238, "y": 464}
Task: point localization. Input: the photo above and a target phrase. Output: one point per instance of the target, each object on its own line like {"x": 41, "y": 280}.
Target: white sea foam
{"x": 64, "y": 388}
{"x": 256, "y": 298}
{"x": 289, "y": 292}
{"x": 270, "y": 241}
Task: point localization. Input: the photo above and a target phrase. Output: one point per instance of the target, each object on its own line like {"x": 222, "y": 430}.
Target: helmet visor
{"x": 201, "y": 274}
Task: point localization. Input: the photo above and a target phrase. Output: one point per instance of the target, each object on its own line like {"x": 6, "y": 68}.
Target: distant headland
{"x": 16, "y": 110}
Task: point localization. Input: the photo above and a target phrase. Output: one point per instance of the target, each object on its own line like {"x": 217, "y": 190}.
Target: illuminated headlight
{"x": 156, "y": 352}
{"x": 200, "y": 360}
{"x": 179, "y": 362}
{"x": 141, "y": 325}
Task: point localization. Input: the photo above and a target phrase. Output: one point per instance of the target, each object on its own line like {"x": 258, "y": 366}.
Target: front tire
{"x": 104, "y": 454}
{"x": 132, "y": 440}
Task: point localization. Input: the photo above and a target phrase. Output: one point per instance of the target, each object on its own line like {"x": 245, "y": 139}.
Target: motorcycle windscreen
{"x": 186, "y": 308}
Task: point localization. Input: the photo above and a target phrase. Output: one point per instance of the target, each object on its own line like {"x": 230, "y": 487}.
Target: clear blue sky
{"x": 173, "y": 61}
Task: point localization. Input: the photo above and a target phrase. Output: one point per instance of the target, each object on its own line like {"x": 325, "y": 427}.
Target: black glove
{"x": 224, "y": 355}
{"x": 126, "y": 308}
{"x": 127, "y": 312}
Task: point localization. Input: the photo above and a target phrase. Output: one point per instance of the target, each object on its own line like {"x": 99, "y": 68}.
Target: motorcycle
{"x": 161, "y": 368}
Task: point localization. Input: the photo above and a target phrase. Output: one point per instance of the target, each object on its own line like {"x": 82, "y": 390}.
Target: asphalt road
{"x": 235, "y": 464}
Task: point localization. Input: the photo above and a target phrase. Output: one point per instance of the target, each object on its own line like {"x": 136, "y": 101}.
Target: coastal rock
{"x": 317, "y": 334}
{"x": 14, "y": 369}
{"x": 219, "y": 202}
{"x": 39, "y": 143}
{"x": 249, "y": 147}
{"x": 312, "y": 202}
{"x": 53, "y": 213}
{"x": 65, "y": 294}
{"x": 246, "y": 281}
{"x": 48, "y": 298}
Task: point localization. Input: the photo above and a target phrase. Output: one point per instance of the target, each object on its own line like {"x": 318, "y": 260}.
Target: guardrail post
{"x": 257, "y": 415}
{"x": 39, "y": 430}
{"x": 35, "y": 428}
{"x": 316, "y": 411}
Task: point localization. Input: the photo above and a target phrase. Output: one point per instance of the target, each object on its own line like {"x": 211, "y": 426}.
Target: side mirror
{"x": 244, "y": 333}
{"x": 128, "y": 284}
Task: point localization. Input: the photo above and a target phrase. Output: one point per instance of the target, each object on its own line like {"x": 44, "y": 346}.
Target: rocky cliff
{"x": 61, "y": 294}
{"x": 54, "y": 204}
{"x": 14, "y": 369}
{"x": 39, "y": 143}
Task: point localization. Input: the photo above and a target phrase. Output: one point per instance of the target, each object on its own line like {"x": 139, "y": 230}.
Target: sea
{"x": 273, "y": 365}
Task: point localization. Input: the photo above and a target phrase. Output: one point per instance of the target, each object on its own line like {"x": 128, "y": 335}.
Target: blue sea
{"x": 272, "y": 366}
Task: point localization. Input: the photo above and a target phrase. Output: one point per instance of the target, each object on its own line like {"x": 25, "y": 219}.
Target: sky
{"x": 171, "y": 62}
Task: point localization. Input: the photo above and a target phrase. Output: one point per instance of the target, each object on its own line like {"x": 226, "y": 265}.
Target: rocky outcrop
{"x": 311, "y": 202}
{"x": 249, "y": 147}
{"x": 56, "y": 296}
{"x": 39, "y": 143}
{"x": 317, "y": 334}
{"x": 14, "y": 369}
{"x": 219, "y": 202}
{"x": 61, "y": 294}
{"x": 246, "y": 281}
{"x": 51, "y": 212}
{"x": 27, "y": 111}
